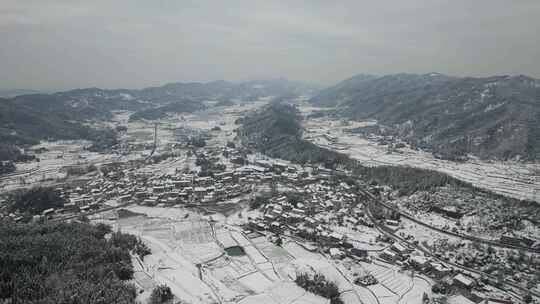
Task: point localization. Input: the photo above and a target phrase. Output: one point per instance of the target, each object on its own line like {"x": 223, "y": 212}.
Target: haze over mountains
{"x": 492, "y": 117}
{"x": 26, "y": 119}
{"x": 495, "y": 116}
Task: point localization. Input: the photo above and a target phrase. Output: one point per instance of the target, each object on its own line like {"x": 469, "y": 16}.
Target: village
{"x": 229, "y": 225}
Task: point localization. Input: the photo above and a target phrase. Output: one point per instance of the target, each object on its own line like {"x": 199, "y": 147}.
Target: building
{"x": 440, "y": 270}
{"x": 336, "y": 253}
{"x": 388, "y": 255}
{"x": 398, "y": 248}
{"x": 361, "y": 253}
{"x": 463, "y": 281}
{"x": 448, "y": 211}
{"x": 511, "y": 240}
{"x": 419, "y": 262}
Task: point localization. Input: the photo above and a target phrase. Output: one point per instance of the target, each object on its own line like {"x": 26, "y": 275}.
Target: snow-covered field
{"x": 182, "y": 241}
{"x": 58, "y": 155}
{"x": 515, "y": 179}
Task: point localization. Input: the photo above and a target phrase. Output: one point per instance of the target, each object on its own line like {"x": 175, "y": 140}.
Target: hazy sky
{"x": 55, "y": 44}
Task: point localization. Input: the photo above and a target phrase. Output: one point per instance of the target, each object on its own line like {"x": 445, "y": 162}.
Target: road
{"x": 384, "y": 230}
{"x": 450, "y": 233}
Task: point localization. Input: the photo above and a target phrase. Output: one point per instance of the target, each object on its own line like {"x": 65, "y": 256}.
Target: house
{"x": 141, "y": 194}
{"x": 336, "y": 237}
{"x": 511, "y": 240}
{"x": 336, "y": 253}
{"x": 275, "y": 227}
{"x": 71, "y": 207}
{"x": 223, "y": 175}
{"x": 463, "y": 281}
{"x": 388, "y": 255}
{"x": 418, "y": 262}
{"x": 124, "y": 198}
{"x": 361, "y": 253}
{"x": 203, "y": 181}
{"x": 199, "y": 192}
{"x": 392, "y": 223}
{"x": 158, "y": 189}
{"x": 398, "y": 248}
{"x": 449, "y": 211}
{"x": 439, "y": 270}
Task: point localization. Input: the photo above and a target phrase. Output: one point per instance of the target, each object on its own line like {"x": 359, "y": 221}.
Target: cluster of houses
{"x": 145, "y": 188}
{"x": 312, "y": 215}
{"x": 125, "y": 183}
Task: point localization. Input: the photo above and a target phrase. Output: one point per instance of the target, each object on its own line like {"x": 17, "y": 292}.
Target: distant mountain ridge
{"x": 10, "y": 93}
{"x": 491, "y": 117}
{"x": 27, "y": 119}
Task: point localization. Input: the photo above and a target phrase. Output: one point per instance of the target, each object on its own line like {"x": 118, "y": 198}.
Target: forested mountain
{"x": 491, "y": 117}
{"x": 25, "y": 122}
{"x": 27, "y": 119}
{"x": 275, "y": 130}
{"x": 223, "y": 90}
{"x": 182, "y": 106}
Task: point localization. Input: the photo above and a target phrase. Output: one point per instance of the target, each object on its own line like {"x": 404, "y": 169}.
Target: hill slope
{"x": 490, "y": 117}
{"x": 183, "y": 106}
{"x": 27, "y": 119}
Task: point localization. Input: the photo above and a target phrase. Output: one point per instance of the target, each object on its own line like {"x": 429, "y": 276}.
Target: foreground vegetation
{"x": 65, "y": 263}
{"x": 35, "y": 200}
{"x": 319, "y": 285}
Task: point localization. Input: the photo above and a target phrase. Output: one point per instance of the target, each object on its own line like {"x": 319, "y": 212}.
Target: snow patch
{"x": 492, "y": 107}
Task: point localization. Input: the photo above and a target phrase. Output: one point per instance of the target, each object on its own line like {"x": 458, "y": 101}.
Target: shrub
{"x": 319, "y": 285}
{"x": 36, "y": 200}
{"x": 161, "y": 294}
{"x": 62, "y": 263}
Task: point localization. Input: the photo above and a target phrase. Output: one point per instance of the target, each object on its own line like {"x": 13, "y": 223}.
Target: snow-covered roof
{"x": 463, "y": 280}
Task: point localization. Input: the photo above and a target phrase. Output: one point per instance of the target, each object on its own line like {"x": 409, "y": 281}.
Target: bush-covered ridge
{"x": 35, "y": 200}
{"x": 65, "y": 263}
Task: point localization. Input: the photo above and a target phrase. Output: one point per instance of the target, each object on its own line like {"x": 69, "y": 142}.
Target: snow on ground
{"x": 59, "y": 154}
{"x": 181, "y": 239}
{"x": 420, "y": 286}
{"x": 516, "y": 179}
{"x": 395, "y": 286}
{"x": 285, "y": 292}
{"x": 363, "y": 237}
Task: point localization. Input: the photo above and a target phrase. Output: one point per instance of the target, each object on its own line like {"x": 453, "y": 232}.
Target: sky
{"x": 64, "y": 44}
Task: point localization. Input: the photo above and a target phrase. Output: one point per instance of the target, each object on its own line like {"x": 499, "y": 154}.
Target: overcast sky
{"x": 54, "y": 44}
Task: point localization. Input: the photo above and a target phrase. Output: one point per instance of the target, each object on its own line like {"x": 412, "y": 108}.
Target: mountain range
{"x": 453, "y": 117}
{"x": 27, "y": 119}
{"x": 490, "y": 117}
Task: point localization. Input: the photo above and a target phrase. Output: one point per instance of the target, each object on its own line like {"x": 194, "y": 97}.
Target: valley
{"x": 512, "y": 178}
{"x": 234, "y": 207}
